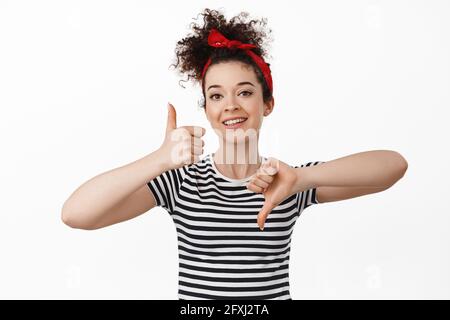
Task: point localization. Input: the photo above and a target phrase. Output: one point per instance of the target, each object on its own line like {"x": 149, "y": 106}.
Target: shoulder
{"x": 197, "y": 168}
{"x": 308, "y": 164}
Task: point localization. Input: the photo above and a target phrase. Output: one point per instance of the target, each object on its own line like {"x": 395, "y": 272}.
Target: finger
{"x": 195, "y": 131}
{"x": 171, "y": 118}
{"x": 260, "y": 183}
{"x": 189, "y": 149}
{"x": 254, "y": 188}
{"x": 264, "y": 177}
{"x": 196, "y": 150}
{"x": 198, "y": 142}
{"x": 268, "y": 170}
{"x": 263, "y": 214}
{"x": 195, "y": 158}
{"x": 273, "y": 162}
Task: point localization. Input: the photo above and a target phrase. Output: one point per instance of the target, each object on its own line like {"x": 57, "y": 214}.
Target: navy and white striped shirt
{"x": 222, "y": 252}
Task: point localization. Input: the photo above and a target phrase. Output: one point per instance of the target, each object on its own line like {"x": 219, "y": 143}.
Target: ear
{"x": 268, "y": 107}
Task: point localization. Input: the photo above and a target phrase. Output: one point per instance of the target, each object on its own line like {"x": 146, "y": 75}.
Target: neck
{"x": 237, "y": 161}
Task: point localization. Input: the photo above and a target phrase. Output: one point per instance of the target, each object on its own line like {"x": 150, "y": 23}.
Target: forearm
{"x": 377, "y": 168}
{"x": 105, "y": 190}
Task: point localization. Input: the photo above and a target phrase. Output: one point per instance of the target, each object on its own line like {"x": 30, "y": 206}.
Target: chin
{"x": 240, "y": 136}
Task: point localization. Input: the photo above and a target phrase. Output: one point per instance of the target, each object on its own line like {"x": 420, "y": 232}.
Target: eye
{"x": 213, "y": 95}
{"x": 249, "y": 93}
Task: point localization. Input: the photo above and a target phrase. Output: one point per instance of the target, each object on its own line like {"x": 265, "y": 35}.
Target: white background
{"x": 84, "y": 87}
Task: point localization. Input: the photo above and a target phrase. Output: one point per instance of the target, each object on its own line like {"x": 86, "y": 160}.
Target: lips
{"x": 235, "y": 125}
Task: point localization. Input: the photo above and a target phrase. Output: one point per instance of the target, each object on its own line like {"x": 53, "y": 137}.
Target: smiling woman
{"x": 234, "y": 210}
{"x": 215, "y": 202}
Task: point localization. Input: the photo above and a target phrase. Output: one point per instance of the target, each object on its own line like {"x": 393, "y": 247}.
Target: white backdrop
{"x": 84, "y": 87}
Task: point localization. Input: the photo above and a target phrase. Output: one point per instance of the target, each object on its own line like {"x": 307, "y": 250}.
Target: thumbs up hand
{"x": 276, "y": 181}
{"x": 181, "y": 145}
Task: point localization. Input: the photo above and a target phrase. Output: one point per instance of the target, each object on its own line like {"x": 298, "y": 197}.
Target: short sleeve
{"x": 308, "y": 197}
{"x": 166, "y": 188}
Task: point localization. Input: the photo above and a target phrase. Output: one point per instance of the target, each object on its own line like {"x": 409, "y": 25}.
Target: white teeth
{"x": 231, "y": 122}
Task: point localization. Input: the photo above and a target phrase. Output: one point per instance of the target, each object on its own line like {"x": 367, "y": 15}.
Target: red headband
{"x": 218, "y": 40}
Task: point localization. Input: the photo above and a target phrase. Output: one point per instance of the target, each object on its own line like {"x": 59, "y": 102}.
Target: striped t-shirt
{"x": 222, "y": 252}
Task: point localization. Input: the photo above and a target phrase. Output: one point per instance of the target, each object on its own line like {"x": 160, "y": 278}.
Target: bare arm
{"x": 354, "y": 175}
{"x": 122, "y": 193}
{"x": 113, "y": 196}
{"x": 374, "y": 169}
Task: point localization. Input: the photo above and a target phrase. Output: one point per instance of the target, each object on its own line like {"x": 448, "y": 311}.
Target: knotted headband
{"x": 218, "y": 40}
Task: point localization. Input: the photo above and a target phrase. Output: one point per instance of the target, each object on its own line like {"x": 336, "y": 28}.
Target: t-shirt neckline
{"x": 216, "y": 171}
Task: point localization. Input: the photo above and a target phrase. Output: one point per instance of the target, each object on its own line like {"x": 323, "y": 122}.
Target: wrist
{"x": 304, "y": 179}
{"x": 157, "y": 160}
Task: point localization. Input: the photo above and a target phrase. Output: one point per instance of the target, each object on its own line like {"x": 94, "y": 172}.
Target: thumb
{"x": 262, "y": 215}
{"x": 171, "y": 118}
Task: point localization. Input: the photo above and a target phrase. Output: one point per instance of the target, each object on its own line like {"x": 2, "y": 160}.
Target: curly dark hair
{"x": 193, "y": 51}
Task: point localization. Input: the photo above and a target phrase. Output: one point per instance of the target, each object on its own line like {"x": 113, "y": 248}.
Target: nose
{"x": 232, "y": 108}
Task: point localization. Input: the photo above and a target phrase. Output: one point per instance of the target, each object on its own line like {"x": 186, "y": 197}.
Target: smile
{"x": 234, "y": 123}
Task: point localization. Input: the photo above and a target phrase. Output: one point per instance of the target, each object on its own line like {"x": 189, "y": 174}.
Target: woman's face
{"x": 232, "y": 91}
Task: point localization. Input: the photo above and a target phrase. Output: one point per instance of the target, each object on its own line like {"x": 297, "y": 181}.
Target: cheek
{"x": 215, "y": 119}
{"x": 257, "y": 122}
{"x": 211, "y": 116}
{"x": 257, "y": 115}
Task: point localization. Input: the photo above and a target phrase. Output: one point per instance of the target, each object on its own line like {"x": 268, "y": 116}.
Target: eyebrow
{"x": 239, "y": 84}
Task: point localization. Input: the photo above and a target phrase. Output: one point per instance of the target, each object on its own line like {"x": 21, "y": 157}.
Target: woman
{"x": 234, "y": 210}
